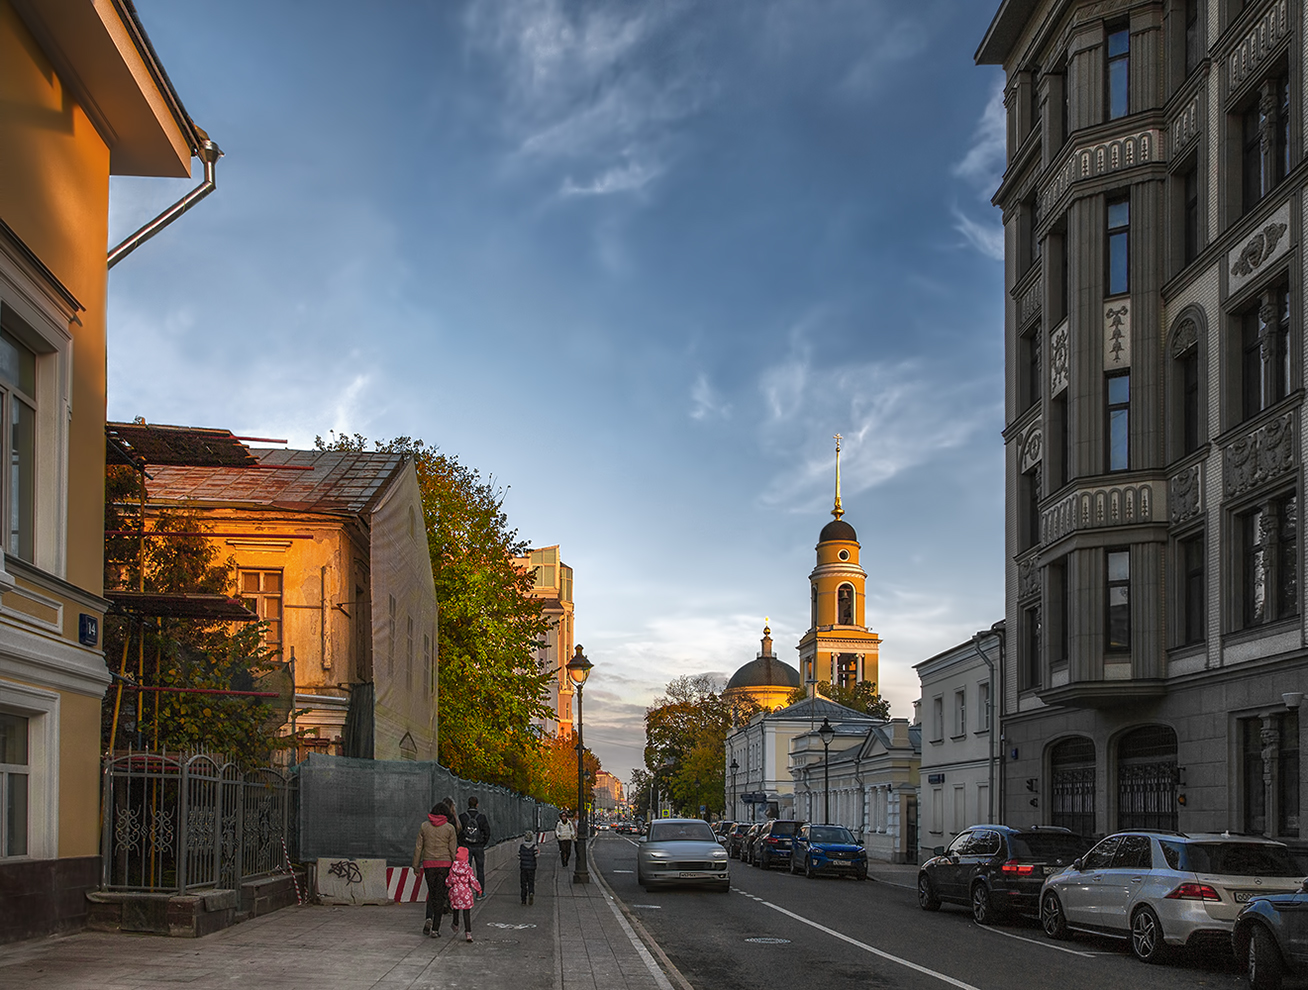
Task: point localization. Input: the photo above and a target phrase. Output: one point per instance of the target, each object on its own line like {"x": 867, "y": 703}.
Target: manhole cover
{"x": 765, "y": 940}
{"x": 501, "y": 924}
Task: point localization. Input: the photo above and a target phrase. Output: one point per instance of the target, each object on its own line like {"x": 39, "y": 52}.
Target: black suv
{"x": 997, "y": 870}
{"x": 772, "y": 844}
{"x": 736, "y": 838}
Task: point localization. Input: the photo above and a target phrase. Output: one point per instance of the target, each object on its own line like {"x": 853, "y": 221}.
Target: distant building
{"x": 553, "y": 586}
{"x": 85, "y": 98}
{"x": 608, "y": 791}
{"x": 331, "y": 550}
{"x": 765, "y": 680}
{"x": 1155, "y": 416}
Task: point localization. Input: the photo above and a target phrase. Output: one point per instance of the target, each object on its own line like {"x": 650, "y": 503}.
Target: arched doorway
{"x": 1072, "y": 771}
{"x": 1146, "y": 778}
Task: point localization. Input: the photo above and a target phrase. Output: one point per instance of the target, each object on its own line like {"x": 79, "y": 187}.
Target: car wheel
{"x": 1052, "y": 918}
{"x": 926, "y": 894}
{"x": 1147, "y": 936}
{"x": 808, "y": 867}
{"x": 983, "y": 911}
{"x": 1264, "y": 965}
{"x": 724, "y": 888}
{"x": 792, "y": 865}
{"x": 861, "y": 874}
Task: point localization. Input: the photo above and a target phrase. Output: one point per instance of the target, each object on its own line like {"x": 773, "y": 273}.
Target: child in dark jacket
{"x": 528, "y": 852}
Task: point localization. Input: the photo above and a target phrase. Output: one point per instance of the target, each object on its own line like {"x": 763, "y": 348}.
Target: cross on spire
{"x": 838, "y": 510}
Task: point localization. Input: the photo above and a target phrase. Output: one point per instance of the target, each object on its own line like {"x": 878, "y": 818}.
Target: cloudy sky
{"x": 638, "y": 261}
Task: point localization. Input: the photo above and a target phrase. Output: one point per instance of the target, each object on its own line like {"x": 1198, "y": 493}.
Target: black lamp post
{"x": 827, "y": 733}
{"x": 578, "y": 669}
{"x": 733, "y": 768}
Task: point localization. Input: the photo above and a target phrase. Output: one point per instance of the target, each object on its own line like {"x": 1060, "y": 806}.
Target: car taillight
{"x": 1193, "y": 892}
{"x": 1020, "y": 869}
{"x": 774, "y": 839}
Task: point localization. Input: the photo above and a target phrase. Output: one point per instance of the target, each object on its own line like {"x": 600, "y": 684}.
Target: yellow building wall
{"x": 54, "y": 194}
{"x": 79, "y": 775}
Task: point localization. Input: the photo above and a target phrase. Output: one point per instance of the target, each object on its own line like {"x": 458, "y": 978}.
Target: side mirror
{"x": 1078, "y": 865}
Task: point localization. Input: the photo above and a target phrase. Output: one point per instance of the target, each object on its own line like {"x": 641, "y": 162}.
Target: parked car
{"x": 748, "y": 840}
{"x": 1271, "y": 936}
{"x": 772, "y": 844}
{"x": 735, "y": 838}
{"x": 1165, "y": 889}
{"x": 722, "y": 829}
{"x": 997, "y": 870}
{"x": 828, "y": 849}
{"x": 681, "y": 851}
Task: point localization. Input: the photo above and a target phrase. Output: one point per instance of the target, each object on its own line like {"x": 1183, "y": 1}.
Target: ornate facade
{"x": 1154, "y": 325}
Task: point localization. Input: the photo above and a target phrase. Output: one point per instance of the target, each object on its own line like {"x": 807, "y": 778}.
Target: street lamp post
{"x": 733, "y": 768}
{"x": 578, "y": 670}
{"x": 827, "y": 733}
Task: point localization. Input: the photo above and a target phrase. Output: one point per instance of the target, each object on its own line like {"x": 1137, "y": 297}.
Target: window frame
{"x": 1192, "y": 588}
{"x": 42, "y": 710}
{"x": 1117, "y": 233}
{"x": 1110, "y": 584}
{"x": 1112, "y": 411}
{"x": 1113, "y": 62}
{"x": 1246, "y": 518}
{"x": 18, "y": 493}
{"x": 261, "y": 597}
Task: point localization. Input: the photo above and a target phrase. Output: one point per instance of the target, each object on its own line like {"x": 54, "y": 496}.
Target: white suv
{"x": 1165, "y": 889}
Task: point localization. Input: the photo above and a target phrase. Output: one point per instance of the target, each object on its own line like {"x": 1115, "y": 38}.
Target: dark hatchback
{"x": 997, "y": 870}
{"x": 771, "y": 846}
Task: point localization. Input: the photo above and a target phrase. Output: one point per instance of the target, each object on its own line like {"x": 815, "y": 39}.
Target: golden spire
{"x": 838, "y": 511}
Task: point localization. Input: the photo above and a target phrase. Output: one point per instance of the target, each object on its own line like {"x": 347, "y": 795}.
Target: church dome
{"x": 837, "y": 529}
{"x": 765, "y": 672}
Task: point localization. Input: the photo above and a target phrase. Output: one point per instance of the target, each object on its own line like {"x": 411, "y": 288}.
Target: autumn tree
{"x": 861, "y": 697}
{"x": 490, "y": 687}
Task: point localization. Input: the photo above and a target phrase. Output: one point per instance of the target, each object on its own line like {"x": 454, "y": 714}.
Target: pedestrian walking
{"x": 438, "y": 841}
{"x": 528, "y": 855}
{"x": 565, "y": 832}
{"x": 474, "y": 833}
{"x": 461, "y": 883}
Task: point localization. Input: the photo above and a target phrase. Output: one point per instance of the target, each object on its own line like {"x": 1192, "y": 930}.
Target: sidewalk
{"x": 573, "y": 938}
{"x": 899, "y": 874}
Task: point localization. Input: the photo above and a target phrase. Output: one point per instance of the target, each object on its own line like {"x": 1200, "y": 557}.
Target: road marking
{"x": 1045, "y": 942}
{"x": 652, "y": 907}
{"x": 622, "y": 871}
{"x": 659, "y": 976}
{"x": 889, "y": 957}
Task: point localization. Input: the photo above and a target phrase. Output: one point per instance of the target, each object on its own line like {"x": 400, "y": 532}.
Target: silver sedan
{"x": 681, "y": 850}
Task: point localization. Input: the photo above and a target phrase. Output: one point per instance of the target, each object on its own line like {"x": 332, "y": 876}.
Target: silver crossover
{"x": 681, "y": 850}
{"x": 1162, "y": 889}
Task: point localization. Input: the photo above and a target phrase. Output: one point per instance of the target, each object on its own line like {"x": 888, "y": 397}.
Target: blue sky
{"x": 638, "y": 261}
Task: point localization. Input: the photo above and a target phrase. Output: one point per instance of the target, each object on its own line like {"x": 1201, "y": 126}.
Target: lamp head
{"x": 826, "y": 732}
{"x": 734, "y": 766}
{"x": 578, "y": 667}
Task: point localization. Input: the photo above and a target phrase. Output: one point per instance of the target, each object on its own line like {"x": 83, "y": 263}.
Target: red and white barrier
{"x": 405, "y": 884}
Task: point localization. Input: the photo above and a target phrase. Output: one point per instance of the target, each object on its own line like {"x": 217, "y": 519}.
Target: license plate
{"x": 692, "y": 875}
{"x": 840, "y": 862}
{"x": 1243, "y": 896}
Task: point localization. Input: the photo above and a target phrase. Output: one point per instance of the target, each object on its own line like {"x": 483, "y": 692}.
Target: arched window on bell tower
{"x": 814, "y": 609}
{"x": 845, "y": 605}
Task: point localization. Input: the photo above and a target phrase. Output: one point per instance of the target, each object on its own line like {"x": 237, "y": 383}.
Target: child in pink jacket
{"x": 461, "y": 883}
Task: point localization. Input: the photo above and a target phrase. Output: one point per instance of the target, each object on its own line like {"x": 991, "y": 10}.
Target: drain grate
{"x": 767, "y": 940}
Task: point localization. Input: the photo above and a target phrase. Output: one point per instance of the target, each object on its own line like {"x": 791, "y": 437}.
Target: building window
{"x": 1190, "y": 214}
{"x": 1193, "y": 589}
{"x": 847, "y": 669}
{"x": 1188, "y": 367}
{"x": 1269, "y": 537}
{"x": 1147, "y": 779}
{"x": 1119, "y": 600}
{"x": 1119, "y": 73}
{"x": 18, "y": 445}
{"x": 14, "y": 778}
{"x": 262, "y": 593}
{"x": 1072, "y": 787}
{"x": 1029, "y": 524}
{"x": 1119, "y": 246}
{"x": 1265, "y": 140}
{"x": 845, "y": 605}
{"x": 814, "y": 603}
{"x": 1030, "y": 649}
{"x": 1265, "y": 352}
{"x": 1194, "y": 42}
{"x": 960, "y": 712}
{"x": 983, "y": 706}
{"x": 1118, "y": 387}
{"x": 938, "y": 718}
{"x": 1032, "y": 359}
{"x": 1059, "y": 450}
{"x": 1059, "y": 617}
{"x": 1269, "y": 750}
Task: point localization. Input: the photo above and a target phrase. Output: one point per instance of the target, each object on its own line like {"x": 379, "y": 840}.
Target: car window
{"x": 984, "y": 843}
{"x": 1173, "y": 852}
{"x": 830, "y": 833}
{"x": 681, "y": 832}
{"x": 1101, "y": 855}
{"x": 956, "y": 847}
{"x": 1134, "y": 852}
{"x": 783, "y": 828}
{"x": 1056, "y": 847}
{"x": 1240, "y": 859}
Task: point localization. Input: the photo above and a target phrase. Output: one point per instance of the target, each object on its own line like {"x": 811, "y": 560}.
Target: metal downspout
{"x": 209, "y": 153}
{"x": 976, "y": 640}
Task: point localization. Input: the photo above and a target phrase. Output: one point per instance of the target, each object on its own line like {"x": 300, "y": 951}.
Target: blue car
{"x": 1271, "y": 937}
{"x": 828, "y": 849}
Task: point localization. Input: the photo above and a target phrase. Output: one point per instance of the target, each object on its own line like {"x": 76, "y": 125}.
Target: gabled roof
{"x": 330, "y": 481}
{"x": 820, "y": 707}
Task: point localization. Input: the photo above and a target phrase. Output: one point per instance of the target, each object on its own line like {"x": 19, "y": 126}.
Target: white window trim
{"x": 41, "y": 708}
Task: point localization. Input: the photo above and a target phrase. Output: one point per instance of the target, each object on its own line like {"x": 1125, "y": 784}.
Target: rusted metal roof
{"x": 218, "y": 608}
{"x": 157, "y": 444}
{"x": 330, "y": 481}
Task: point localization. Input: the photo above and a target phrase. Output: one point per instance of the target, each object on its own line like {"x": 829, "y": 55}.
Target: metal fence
{"x": 174, "y": 823}
{"x": 372, "y": 809}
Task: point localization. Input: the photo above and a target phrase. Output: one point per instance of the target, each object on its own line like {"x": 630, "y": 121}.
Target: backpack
{"x": 472, "y": 830}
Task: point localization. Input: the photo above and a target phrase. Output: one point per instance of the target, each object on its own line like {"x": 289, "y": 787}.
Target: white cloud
{"x": 631, "y": 176}
{"x": 983, "y": 164}
{"x": 706, "y": 403}
{"x": 988, "y": 238}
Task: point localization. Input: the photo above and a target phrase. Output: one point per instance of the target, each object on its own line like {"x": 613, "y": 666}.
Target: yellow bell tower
{"x": 838, "y": 646}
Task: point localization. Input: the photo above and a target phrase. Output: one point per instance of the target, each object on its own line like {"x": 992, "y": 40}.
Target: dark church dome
{"x": 838, "y": 529}
{"x": 765, "y": 672}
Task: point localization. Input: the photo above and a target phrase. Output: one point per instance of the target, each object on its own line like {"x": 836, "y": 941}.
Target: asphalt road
{"x": 840, "y": 934}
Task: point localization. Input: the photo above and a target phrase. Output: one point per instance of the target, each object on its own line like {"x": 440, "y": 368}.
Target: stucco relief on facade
{"x": 1028, "y": 578}
{"x": 1268, "y": 243}
{"x": 1184, "y": 337}
{"x": 1117, "y": 334}
{"x": 1029, "y": 302}
{"x": 1032, "y": 446}
{"x": 1185, "y": 493}
{"x": 1101, "y": 159}
{"x": 1255, "y": 47}
{"x": 1092, "y": 508}
{"x": 1266, "y": 453}
{"x": 1184, "y": 127}
{"x": 1060, "y": 371}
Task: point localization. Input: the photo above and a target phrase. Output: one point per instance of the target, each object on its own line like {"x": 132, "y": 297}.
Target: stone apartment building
{"x": 1153, "y": 207}
{"x": 552, "y": 585}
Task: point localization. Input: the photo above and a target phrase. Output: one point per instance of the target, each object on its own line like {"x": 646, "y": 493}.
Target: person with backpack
{"x": 528, "y": 854}
{"x": 474, "y": 833}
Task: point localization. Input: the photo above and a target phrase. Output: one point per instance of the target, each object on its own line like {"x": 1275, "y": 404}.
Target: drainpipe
{"x": 209, "y": 153}
{"x": 998, "y": 632}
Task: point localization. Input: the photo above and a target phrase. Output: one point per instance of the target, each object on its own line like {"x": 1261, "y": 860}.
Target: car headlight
{"x": 657, "y": 854}
{"x": 719, "y": 854}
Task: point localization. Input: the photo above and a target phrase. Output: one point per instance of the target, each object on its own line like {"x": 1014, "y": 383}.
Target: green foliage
{"x": 862, "y": 697}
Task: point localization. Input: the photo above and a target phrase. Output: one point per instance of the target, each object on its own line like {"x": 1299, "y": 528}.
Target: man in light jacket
{"x": 565, "y": 832}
